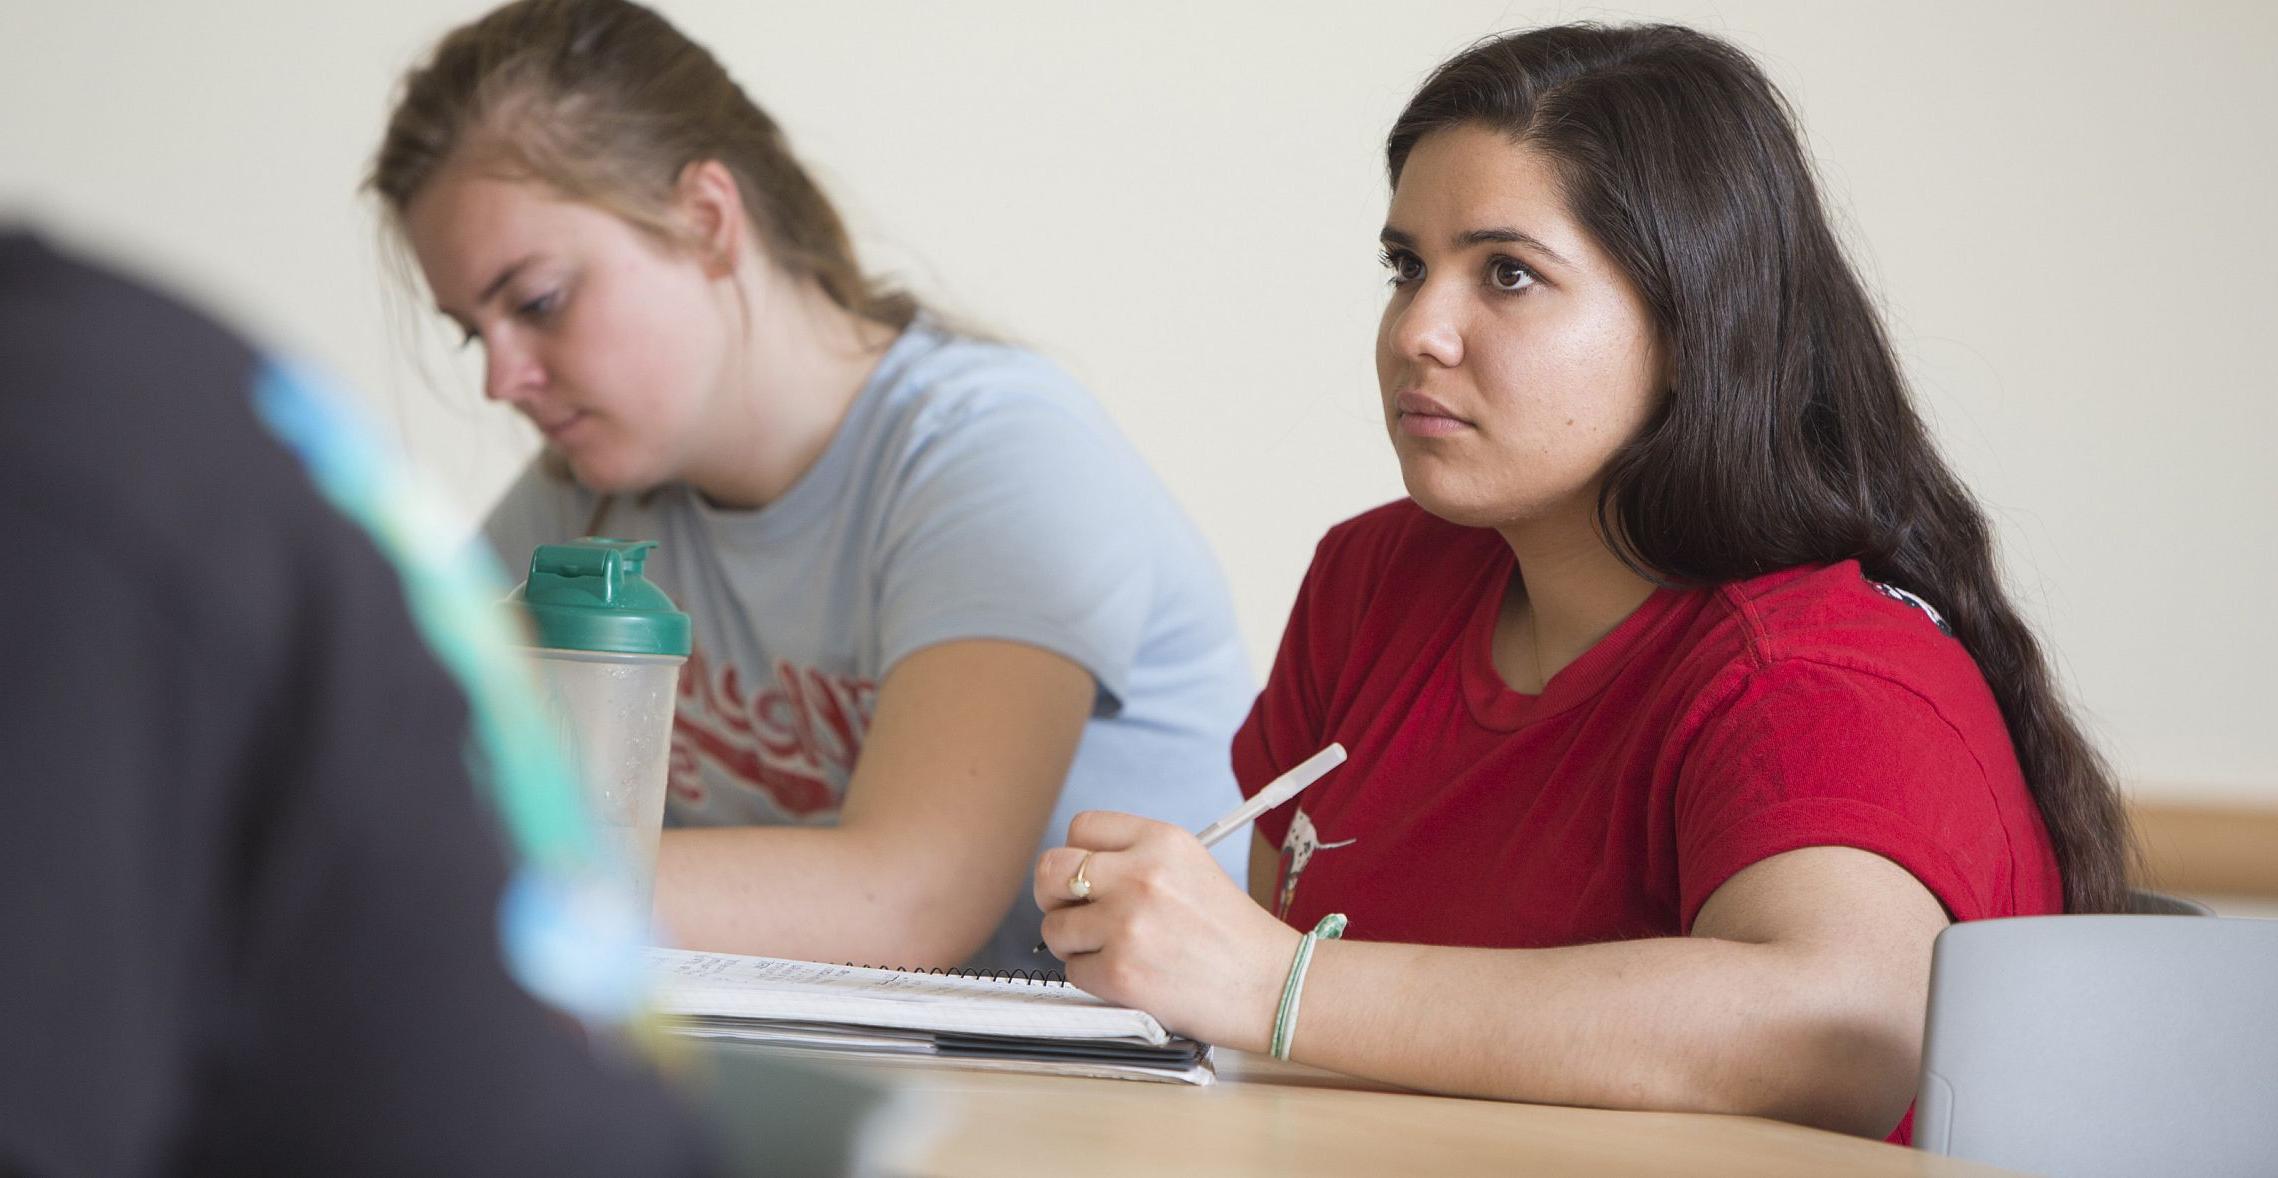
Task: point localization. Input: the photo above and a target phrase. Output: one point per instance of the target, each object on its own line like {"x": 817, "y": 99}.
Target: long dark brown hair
{"x": 1789, "y": 437}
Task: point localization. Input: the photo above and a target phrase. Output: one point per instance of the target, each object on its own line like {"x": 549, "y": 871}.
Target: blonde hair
{"x": 607, "y": 102}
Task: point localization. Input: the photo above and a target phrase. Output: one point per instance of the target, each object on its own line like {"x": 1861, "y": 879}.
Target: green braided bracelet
{"x": 1331, "y": 927}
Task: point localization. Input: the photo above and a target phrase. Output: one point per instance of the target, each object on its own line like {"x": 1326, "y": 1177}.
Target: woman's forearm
{"x": 1678, "y": 1023}
{"x": 819, "y": 893}
{"x": 1799, "y": 994}
{"x": 968, "y": 745}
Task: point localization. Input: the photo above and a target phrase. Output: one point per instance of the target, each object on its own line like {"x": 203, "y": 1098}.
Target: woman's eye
{"x": 1405, "y": 267}
{"x": 1507, "y": 275}
{"x": 542, "y": 306}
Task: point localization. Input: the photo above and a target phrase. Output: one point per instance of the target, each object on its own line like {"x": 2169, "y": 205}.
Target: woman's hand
{"x": 1164, "y": 930}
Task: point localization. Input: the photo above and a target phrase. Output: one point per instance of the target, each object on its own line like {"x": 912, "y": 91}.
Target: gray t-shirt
{"x": 973, "y": 491}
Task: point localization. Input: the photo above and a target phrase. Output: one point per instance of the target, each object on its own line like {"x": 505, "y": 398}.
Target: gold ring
{"x": 1078, "y": 886}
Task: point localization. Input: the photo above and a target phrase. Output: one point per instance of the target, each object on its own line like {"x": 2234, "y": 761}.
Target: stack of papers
{"x": 891, "y": 1016}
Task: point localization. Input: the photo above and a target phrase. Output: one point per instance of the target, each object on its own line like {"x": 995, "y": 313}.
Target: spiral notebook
{"x": 1018, "y": 1024}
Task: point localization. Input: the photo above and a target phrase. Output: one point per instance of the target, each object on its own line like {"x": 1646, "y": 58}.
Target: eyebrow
{"x": 496, "y": 284}
{"x": 1467, "y": 239}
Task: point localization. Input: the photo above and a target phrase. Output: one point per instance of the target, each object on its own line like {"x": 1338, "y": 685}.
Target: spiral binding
{"x": 1025, "y": 977}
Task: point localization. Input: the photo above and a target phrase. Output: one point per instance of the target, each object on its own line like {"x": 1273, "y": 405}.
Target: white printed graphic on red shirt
{"x": 794, "y": 741}
{"x": 1297, "y": 848}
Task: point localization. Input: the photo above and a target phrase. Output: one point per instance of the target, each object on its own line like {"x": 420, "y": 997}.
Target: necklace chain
{"x": 1534, "y": 649}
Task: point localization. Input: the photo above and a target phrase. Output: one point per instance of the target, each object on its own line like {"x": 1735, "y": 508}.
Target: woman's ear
{"x": 710, "y": 206}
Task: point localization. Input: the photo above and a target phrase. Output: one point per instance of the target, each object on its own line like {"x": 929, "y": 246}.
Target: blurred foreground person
{"x": 251, "y": 919}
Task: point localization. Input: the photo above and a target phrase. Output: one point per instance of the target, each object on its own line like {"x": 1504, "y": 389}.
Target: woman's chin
{"x": 1448, "y": 498}
{"x": 1468, "y": 504}
{"x": 602, "y": 475}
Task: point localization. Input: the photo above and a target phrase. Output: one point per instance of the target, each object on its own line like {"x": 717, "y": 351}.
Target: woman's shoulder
{"x": 934, "y": 378}
{"x": 1835, "y": 618}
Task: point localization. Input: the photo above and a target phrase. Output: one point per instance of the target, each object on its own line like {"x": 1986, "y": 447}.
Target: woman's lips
{"x": 1419, "y": 416}
{"x": 556, "y": 428}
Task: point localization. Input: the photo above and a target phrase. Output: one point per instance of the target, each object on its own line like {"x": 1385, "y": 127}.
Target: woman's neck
{"x": 795, "y": 365}
{"x": 1569, "y": 592}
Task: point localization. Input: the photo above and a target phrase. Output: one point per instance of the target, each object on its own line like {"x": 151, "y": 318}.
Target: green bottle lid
{"x": 589, "y": 594}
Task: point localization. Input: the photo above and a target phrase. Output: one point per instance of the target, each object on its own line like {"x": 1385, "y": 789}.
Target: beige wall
{"x": 2066, "y": 209}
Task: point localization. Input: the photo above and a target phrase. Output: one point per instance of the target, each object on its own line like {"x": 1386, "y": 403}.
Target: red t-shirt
{"x": 1711, "y": 729}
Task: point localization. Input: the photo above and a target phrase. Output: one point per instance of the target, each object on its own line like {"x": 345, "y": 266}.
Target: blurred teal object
{"x": 571, "y": 934}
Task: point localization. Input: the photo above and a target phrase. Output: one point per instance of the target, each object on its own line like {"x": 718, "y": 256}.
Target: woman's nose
{"x": 510, "y": 371}
{"x": 1430, "y": 327}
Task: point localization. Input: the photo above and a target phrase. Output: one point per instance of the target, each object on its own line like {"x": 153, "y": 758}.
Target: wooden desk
{"x": 1265, "y": 1117}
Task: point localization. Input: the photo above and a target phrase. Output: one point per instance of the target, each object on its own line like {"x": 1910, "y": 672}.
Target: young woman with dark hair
{"x": 1683, "y": 702}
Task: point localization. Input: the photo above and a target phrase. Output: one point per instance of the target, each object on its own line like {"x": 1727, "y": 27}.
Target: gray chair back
{"x": 2095, "y": 1045}
{"x": 2145, "y": 902}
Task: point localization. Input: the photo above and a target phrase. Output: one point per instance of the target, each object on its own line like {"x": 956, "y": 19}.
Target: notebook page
{"x": 732, "y": 986}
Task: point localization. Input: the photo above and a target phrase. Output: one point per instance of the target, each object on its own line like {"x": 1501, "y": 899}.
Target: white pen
{"x": 1277, "y": 791}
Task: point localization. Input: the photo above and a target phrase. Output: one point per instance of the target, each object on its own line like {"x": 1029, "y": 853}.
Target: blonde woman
{"x": 940, "y": 604}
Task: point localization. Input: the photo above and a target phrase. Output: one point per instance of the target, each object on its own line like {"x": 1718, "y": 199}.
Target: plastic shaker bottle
{"x": 610, "y": 646}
